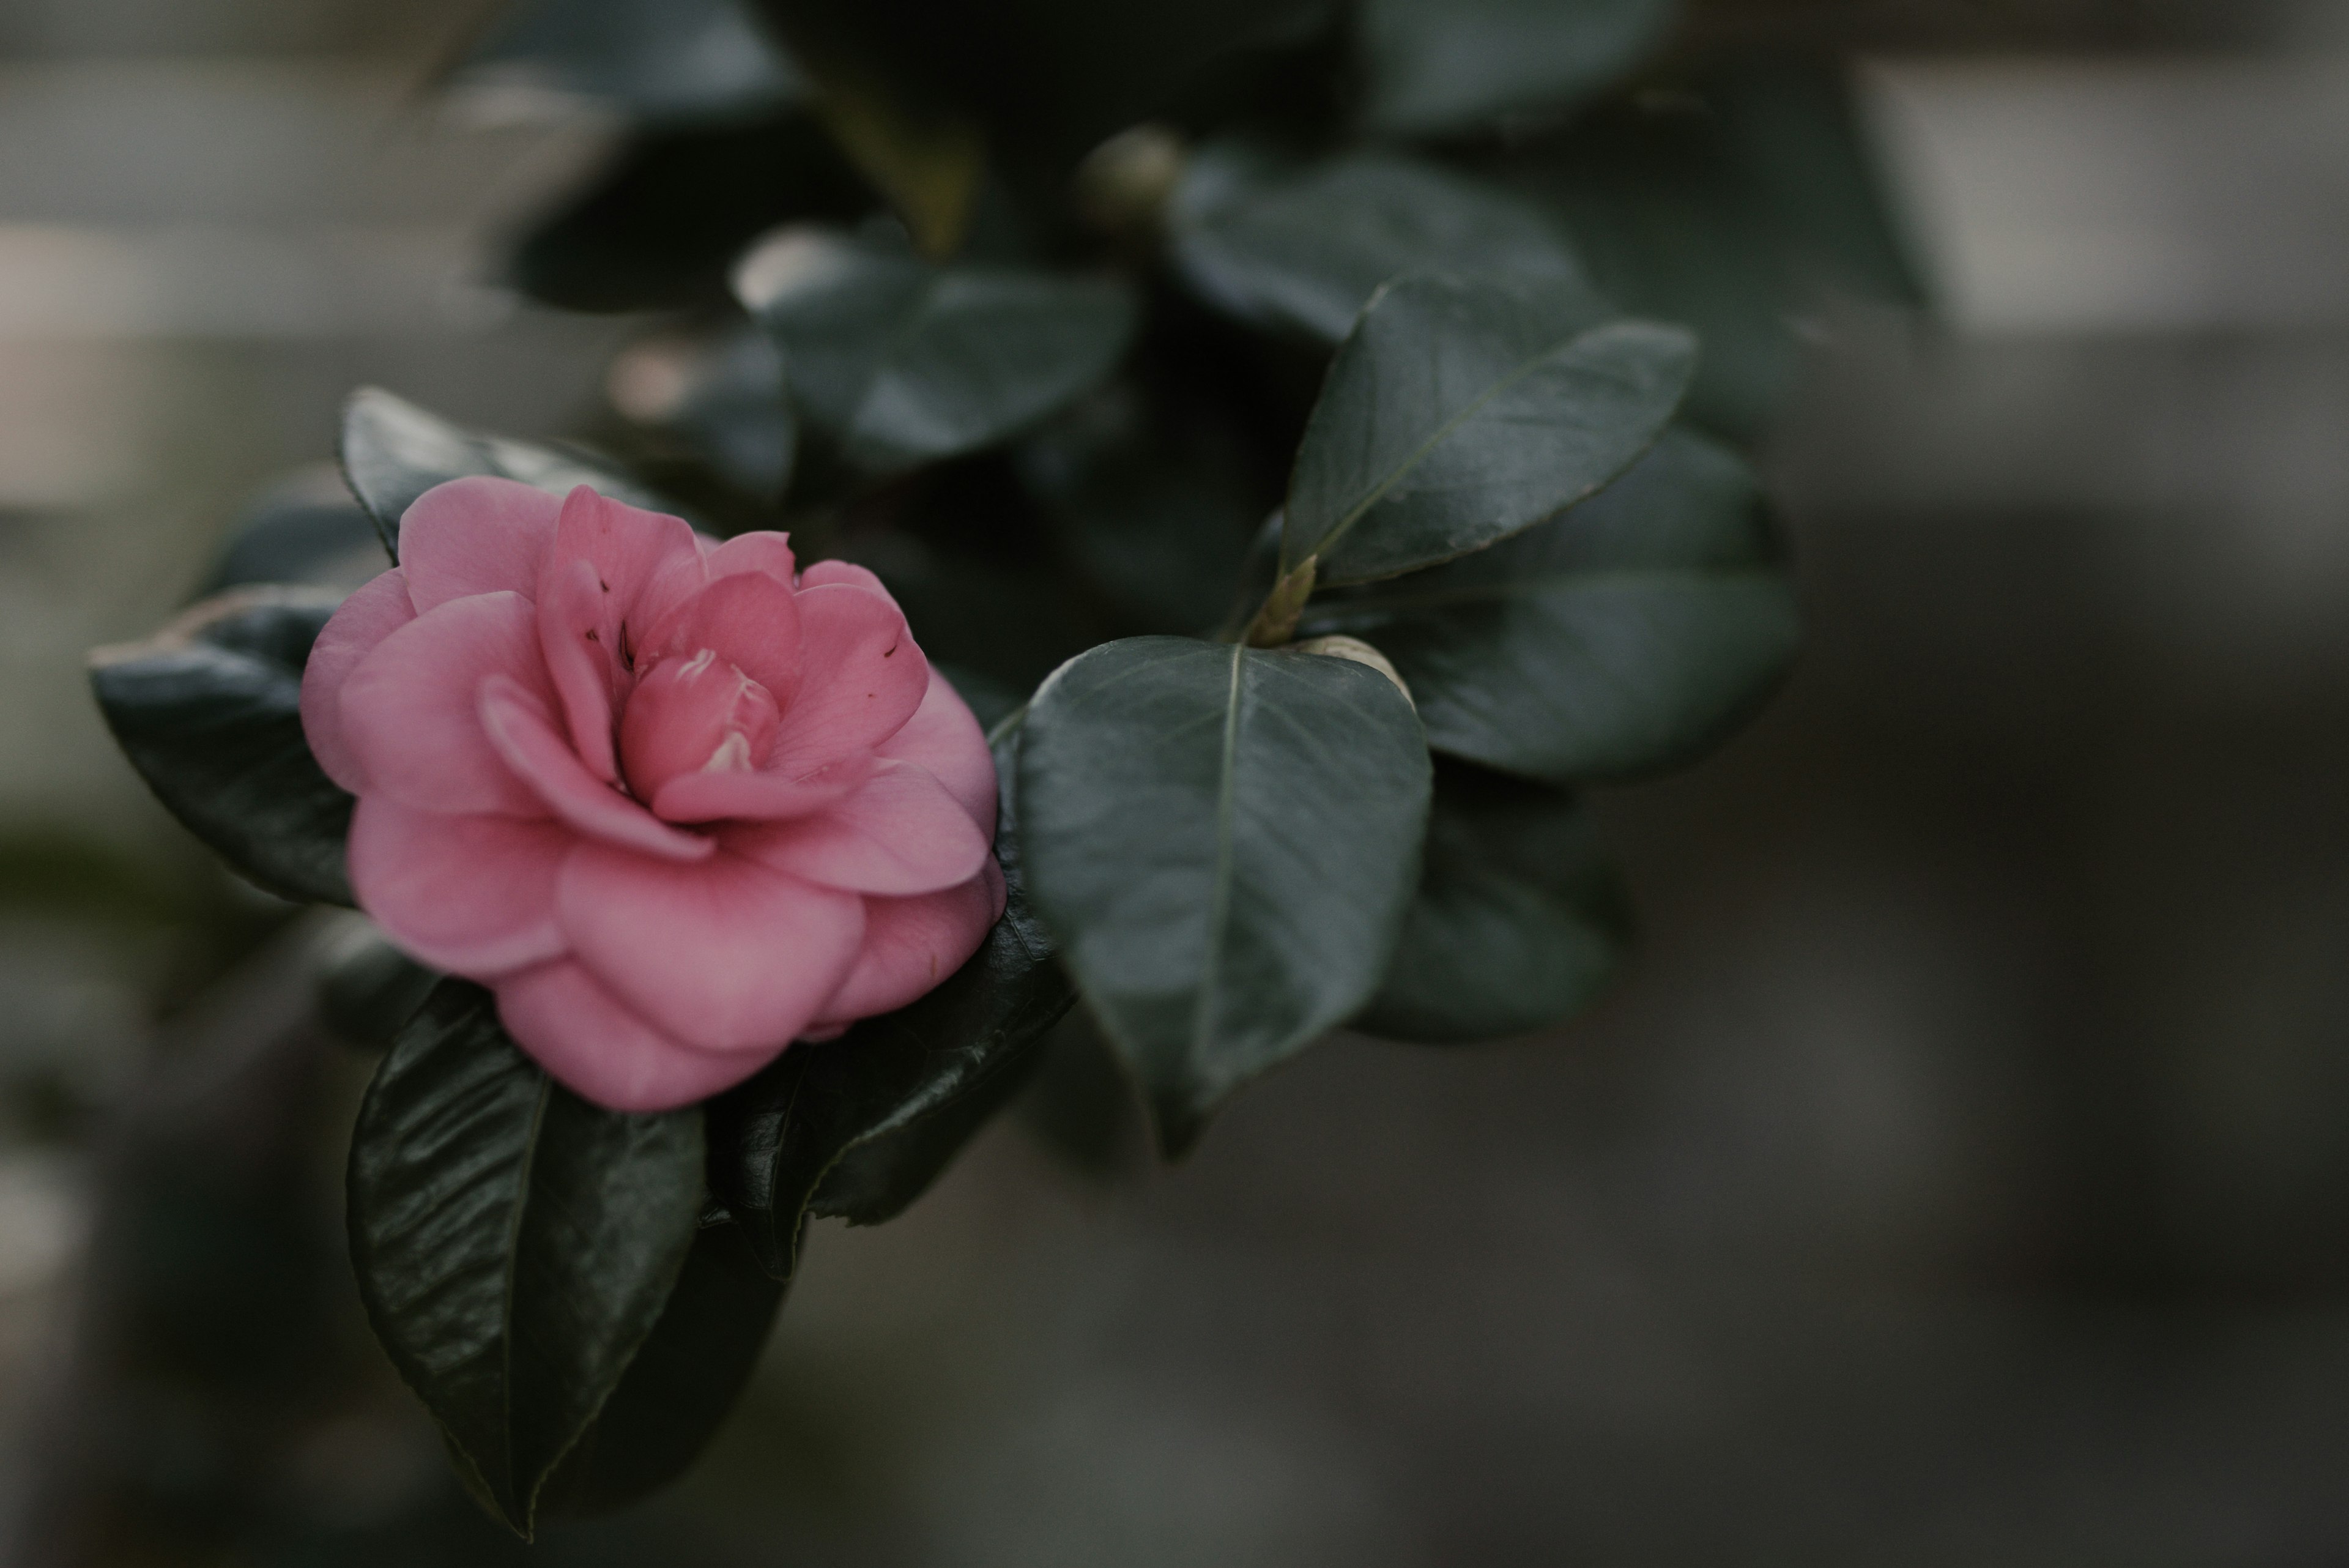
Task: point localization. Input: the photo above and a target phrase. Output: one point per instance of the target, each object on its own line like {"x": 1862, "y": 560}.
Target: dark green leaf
{"x": 1306, "y": 251}
{"x": 515, "y": 1245}
{"x": 209, "y": 712}
{"x": 858, "y": 1127}
{"x": 393, "y": 451}
{"x": 1462, "y": 411}
{"x": 1628, "y": 635}
{"x": 371, "y": 989}
{"x": 661, "y": 226}
{"x": 682, "y": 1383}
{"x": 1518, "y": 923}
{"x": 1448, "y": 65}
{"x": 903, "y": 362}
{"x": 657, "y": 59}
{"x": 305, "y": 529}
{"x": 1792, "y": 129}
{"x": 1225, "y": 840}
{"x": 723, "y": 397}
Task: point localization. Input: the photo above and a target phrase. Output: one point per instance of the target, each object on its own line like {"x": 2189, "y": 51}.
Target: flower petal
{"x": 748, "y": 618}
{"x": 725, "y": 955}
{"x": 760, "y": 796}
{"x": 595, "y": 1045}
{"x": 761, "y": 550}
{"x": 579, "y": 663}
{"x": 944, "y": 736}
{"x": 647, "y": 563}
{"x": 912, "y": 944}
{"x": 843, "y": 572}
{"x": 472, "y": 894}
{"x": 374, "y": 611}
{"x": 411, "y": 709}
{"x": 860, "y": 677}
{"x": 475, "y": 536}
{"x": 521, "y": 727}
{"x": 901, "y": 834}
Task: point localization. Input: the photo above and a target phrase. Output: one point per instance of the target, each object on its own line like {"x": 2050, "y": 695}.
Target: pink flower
{"x": 676, "y": 805}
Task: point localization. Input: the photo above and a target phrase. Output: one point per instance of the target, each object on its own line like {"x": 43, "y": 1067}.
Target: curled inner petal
{"x": 694, "y": 715}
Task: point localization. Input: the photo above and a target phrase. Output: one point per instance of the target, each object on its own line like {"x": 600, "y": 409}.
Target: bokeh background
{"x": 1961, "y": 1176}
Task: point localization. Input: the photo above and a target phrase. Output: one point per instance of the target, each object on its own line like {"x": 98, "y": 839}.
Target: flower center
{"x": 693, "y": 714}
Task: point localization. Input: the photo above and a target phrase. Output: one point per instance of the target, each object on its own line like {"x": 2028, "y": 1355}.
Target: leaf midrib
{"x": 524, "y": 1492}
{"x": 1534, "y": 587}
{"x": 1219, "y": 891}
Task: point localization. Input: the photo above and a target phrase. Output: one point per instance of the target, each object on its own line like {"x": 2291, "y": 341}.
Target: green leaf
{"x": 1439, "y": 66}
{"x": 1630, "y": 635}
{"x": 859, "y": 1126}
{"x": 209, "y": 712}
{"x": 1518, "y": 923}
{"x": 722, "y": 397}
{"x": 370, "y": 989}
{"x": 303, "y": 529}
{"x": 515, "y": 1245}
{"x": 1306, "y": 251}
{"x": 903, "y": 362}
{"x": 1225, "y": 840}
{"x": 656, "y": 60}
{"x": 682, "y": 1383}
{"x": 393, "y": 451}
{"x": 1462, "y": 411}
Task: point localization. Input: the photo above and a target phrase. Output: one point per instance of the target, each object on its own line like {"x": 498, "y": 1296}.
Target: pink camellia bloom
{"x": 678, "y": 803}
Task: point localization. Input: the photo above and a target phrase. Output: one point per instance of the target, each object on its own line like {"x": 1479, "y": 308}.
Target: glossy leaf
{"x": 393, "y": 451}
{"x": 859, "y": 1126}
{"x": 682, "y": 1383}
{"x": 1438, "y": 66}
{"x": 1306, "y": 251}
{"x": 209, "y": 712}
{"x": 1518, "y": 922}
{"x": 1630, "y": 635}
{"x": 903, "y": 362}
{"x": 1225, "y": 840}
{"x": 515, "y": 1245}
{"x": 1462, "y": 411}
{"x": 657, "y": 59}
{"x": 660, "y": 224}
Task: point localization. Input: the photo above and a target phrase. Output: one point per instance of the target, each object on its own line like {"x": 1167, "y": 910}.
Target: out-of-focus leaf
{"x": 1159, "y": 517}
{"x": 1461, "y": 410}
{"x": 1305, "y": 251}
{"x": 724, "y": 398}
{"x": 1226, "y": 841}
{"x": 1080, "y": 1104}
{"x": 659, "y": 227}
{"x": 371, "y": 989}
{"x": 209, "y": 712}
{"x": 1669, "y": 227}
{"x": 1439, "y": 66}
{"x": 920, "y": 151}
{"x": 305, "y": 529}
{"x": 393, "y": 451}
{"x": 859, "y": 1126}
{"x": 905, "y": 362}
{"x": 1013, "y": 625}
{"x": 682, "y": 1383}
{"x": 656, "y": 60}
{"x": 1518, "y": 923}
{"x": 1791, "y": 126}
{"x": 1628, "y": 635}
{"x": 515, "y": 1245}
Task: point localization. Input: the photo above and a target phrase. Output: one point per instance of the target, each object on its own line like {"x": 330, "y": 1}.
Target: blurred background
{"x": 1961, "y": 1176}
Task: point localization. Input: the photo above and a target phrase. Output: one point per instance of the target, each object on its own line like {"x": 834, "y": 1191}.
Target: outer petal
{"x": 912, "y": 944}
{"x": 522, "y": 729}
{"x": 763, "y": 550}
{"x": 944, "y": 736}
{"x": 475, "y": 536}
{"x": 472, "y": 894}
{"x": 645, "y": 562}
{"x": 860, "y": 677}
{"x": 749, "y": 619}
{"x": 411, "y": 710}
{"x": 760, "y": 796}
{"x": 597, "y": 1048}
{"x": 899, "y": 834}
{"x": 848, "y": 573}
{"x": 725, "y": 955}
{"x": 373, "y": 612}
{"x": 579, "y": 663}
